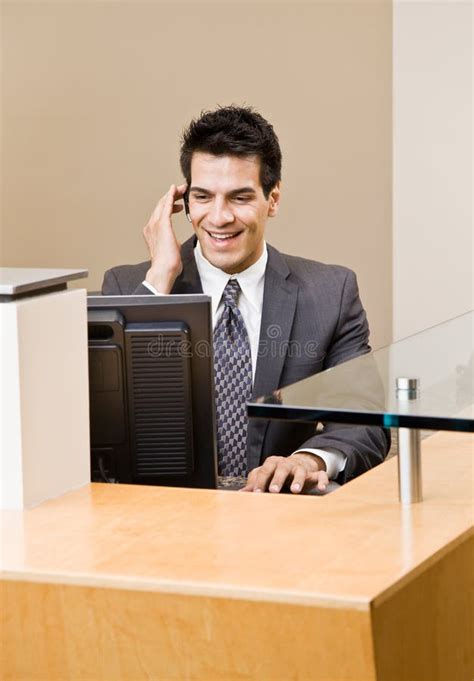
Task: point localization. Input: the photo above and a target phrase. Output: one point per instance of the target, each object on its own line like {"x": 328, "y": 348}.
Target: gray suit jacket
{"x": 306, "y": 304}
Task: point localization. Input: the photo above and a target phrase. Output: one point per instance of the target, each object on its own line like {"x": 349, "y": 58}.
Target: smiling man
{"x": 263, "y": 302}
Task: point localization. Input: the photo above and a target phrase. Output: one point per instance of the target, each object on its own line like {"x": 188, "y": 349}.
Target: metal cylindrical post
{"x": 409, "y": 466}
{"x": 409, "y": 448}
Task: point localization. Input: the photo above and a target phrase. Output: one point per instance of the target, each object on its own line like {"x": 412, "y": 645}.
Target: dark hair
{"x": 234, "y": 131}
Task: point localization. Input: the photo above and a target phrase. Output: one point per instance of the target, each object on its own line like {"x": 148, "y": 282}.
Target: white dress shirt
{"x": 251, "y": 282}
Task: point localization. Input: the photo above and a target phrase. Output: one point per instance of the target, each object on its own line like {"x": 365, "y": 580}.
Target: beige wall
{"x": 432, "y": 163}
{"x": 95, "y": 95}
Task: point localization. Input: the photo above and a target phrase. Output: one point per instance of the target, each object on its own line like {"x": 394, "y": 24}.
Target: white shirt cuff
{"x": 334, "y": 459}
{"x": 151, "y": 288}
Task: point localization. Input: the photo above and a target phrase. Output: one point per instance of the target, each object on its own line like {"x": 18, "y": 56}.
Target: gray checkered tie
{"x": 233, "y": 381}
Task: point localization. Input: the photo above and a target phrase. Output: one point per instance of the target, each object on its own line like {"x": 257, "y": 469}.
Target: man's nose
{"x": 220, "y": 214}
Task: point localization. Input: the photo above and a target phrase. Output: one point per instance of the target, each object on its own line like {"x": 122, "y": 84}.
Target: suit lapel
{"x": 279, "y": 305}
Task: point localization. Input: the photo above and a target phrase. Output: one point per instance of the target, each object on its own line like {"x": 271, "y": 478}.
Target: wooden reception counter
{"x": 115, "y": 582}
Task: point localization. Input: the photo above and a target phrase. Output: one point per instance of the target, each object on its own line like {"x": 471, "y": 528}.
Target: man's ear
{"x": 274, "y": 198}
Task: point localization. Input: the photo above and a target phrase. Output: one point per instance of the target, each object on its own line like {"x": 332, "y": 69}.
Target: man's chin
{"x": 223, "y": 261}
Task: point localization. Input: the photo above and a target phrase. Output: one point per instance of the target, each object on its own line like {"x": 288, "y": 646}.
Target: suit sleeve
{"x": 364, "y": 446}
{"x": 111, "y": 286}
{"x": 351, "y": 337}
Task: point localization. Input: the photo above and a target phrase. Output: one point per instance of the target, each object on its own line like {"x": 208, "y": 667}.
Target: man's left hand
{"x": 303, "y": 472}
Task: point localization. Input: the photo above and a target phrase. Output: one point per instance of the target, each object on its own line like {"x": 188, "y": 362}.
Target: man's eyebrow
{"x": 243, "y": 190}
{"x": 234, "y": 192}
{"x": 199, "y": 189}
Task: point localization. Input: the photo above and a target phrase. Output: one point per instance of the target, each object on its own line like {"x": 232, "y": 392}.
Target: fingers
{"x": 171, "y": 196}
{"x": 166, "y": 205}
{"x": 180, "y": 189}
{"x": 284, "y": 470}
{"x": 278, "y": 470}
{"x": 299, "y": 479}
{"x": 273, "y": 475}
{"x": 250, "y": 481}
{"x": 264, "y": 474}
{"x": 248, "y": 487}
{"x": 174, "y": 193}
{"x": 179, "y": 192}
{"x": 176, "y": 190}
{"x": 318, "y": 480}
{"x": 259, "y": 478}
{"x": 164, "y": 209}
{"x": 165, "y": 255}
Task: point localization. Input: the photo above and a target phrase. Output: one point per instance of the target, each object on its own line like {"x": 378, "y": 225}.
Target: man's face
{"x": 229, "y": 210}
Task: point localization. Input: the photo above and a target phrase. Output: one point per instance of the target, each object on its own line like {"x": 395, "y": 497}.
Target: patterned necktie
{"x": 233, "y": 382}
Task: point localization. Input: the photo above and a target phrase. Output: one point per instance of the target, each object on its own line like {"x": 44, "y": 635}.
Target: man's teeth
{"x": 222, "y": 237}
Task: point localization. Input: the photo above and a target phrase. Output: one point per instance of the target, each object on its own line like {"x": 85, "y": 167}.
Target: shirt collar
{"x": 214, "y": 280}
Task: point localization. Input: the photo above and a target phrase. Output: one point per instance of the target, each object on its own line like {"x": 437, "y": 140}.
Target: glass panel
{"x": 363, "y": 390}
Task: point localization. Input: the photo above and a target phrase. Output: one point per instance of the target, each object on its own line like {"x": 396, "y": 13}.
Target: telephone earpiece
{"x": 186, "y": 205}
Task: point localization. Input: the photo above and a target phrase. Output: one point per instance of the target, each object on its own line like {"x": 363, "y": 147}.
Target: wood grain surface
{"x": 130, "y": 582}
{"x": 424, "y": 632}
{"x": 96, "y": 634}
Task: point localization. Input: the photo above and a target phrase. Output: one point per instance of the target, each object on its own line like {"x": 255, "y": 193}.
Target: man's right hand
{"x": 160, "y": 238}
